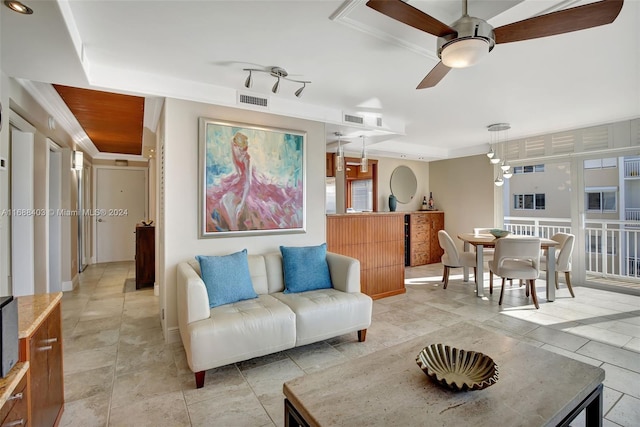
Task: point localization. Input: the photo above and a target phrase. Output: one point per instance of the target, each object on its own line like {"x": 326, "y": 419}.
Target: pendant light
{"x": 364, "y": 162}
{"x": 340, "y": 154}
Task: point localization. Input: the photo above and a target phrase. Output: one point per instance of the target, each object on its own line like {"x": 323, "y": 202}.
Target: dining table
{"x": 482, "y": 240}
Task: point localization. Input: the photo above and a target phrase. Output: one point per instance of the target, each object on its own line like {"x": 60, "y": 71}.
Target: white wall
{"x": 463, "y": 188}
{"x": 181, "y": 242}
{"x": 386, "y": 166}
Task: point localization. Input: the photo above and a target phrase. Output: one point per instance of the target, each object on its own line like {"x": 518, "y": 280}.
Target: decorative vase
{"x": 392, "y": 203}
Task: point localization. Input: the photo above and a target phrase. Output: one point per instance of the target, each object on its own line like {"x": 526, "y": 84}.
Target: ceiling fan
{"x": 469, "y": 39}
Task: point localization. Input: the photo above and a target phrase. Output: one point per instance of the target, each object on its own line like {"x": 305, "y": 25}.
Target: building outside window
{"x": 601, "y": 199}
{"x": 529, "y": 201}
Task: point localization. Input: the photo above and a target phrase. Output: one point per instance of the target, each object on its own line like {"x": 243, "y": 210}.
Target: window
{"x": 362, "y": 195}
{"x": 603, "y": 199}
{"x": 610, "y": 162}
{"x": 528, "y": 169}
{"x": 529, "y": 201}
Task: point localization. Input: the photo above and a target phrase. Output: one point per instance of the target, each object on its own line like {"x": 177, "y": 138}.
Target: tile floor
{"x": 120, "y": 372}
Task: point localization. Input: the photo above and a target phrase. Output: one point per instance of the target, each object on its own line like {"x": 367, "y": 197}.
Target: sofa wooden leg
{"x": 200, "y": 379}
{"x": 362, "y": 335}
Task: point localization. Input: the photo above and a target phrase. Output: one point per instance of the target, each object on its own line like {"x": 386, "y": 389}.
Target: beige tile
{"x": 91, "y": 340}
{"x": 85, "y": 360}
{"x": 622, "y": 380}
{"x": 633, "y": 345}
{"x": 167, "y": 409}
{"x": 557, "y": 338}
{"x": 602, "y": 335}
{"x": 615, "y": 356}
{"x": 240, "y": 407}
{"x": 267, "y": 380}
{"x": 316, "y": 356}
{"x": 132, "y": 358}
{"x": 626, "y": 412}
{"x": 92, "y": 411}
{"x": 96, "y": 325}
{"x": 217, "y": 383}
{"x": 88, "y": 383}
{"x": 143, "y": 384}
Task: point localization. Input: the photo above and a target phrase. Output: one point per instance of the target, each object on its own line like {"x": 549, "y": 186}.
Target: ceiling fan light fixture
{"x": 462, "y": 53}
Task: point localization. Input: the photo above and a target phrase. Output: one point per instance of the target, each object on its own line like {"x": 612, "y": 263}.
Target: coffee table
{"x": 535, "y": 388}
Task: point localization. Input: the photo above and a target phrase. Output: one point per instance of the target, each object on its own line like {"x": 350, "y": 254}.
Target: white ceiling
{"x": 359, "y": 62}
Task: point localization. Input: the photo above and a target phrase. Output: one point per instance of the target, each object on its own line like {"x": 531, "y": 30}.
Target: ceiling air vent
{"x": 353, "y": 119}
{"x": 256, "y": 101}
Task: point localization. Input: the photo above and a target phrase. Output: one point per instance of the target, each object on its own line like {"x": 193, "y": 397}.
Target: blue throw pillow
{"x": 305, "y": 268}
{"x": 226, "y": 278}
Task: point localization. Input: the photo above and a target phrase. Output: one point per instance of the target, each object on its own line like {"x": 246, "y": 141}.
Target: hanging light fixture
{"x": 498, "y": 132}
{"x": 280, "y": 74}
{"x": 364, "y": 162}
{"x": 491, "y": 153}
{"x": 340, "y": 154}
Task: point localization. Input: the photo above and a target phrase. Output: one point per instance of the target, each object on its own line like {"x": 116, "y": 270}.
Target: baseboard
{"x": 70, "y": 285}
{"x": 173, "y": 335}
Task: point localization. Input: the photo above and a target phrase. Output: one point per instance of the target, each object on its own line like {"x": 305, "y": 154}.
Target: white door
{"x": 121, "y": 201}
{"x": 22, "y": 245}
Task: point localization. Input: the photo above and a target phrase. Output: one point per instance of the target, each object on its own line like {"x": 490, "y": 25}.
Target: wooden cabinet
{"x": 40, "y": 332}
{"x": 422, "y": 237}
{"x": 14, "y": 389}
{"x": 145, "y": 256}
{"x": 377, "y": 241}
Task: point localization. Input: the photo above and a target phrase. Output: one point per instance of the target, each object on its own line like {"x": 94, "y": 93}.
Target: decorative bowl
{"x": 497, "y": 233}
{"x": 457, "y": 369}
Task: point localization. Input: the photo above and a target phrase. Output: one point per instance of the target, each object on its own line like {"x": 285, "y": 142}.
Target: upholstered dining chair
{"x": 452, "y": 258}
{"x": 516, "y": 258}
{"x": 563, "y": 258}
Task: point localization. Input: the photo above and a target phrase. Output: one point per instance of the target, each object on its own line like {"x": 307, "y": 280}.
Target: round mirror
{"x": 403, "y": 184}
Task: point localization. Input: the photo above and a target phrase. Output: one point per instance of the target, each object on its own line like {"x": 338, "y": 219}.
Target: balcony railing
{"x": 632, "y": 168}
{"x": 632, "y": 214}
{"x": 611, "y": 248}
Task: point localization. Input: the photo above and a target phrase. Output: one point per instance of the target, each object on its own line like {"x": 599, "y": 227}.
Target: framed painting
{"x": 252, "y": 179}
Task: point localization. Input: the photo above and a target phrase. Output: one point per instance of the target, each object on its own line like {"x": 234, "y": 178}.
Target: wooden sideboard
{"x": 422, "y": 244}
{"x": 377, "y": 240}
{"x": 40, "y": 334}
{"x": 145, "y": 256}
{"x": 14, "y": 396}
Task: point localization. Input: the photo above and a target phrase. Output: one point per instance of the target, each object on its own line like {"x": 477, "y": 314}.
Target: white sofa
{"x": 274, "y": 321}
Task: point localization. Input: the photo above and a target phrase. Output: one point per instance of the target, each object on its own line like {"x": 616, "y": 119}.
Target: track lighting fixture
{"x": 279, "y": 73}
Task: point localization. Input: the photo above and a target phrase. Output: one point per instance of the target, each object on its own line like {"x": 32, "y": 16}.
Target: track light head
{"x": 279, "y": 73}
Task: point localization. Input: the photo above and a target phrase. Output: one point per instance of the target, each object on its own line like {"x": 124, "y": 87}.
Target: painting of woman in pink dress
{"x": 253, "y": 179}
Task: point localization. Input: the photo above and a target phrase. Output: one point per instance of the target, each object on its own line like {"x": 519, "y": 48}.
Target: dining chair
{"x": 452, "y": 258}
{"x": 516, "y": 258}
{"x": 563, "y": 258}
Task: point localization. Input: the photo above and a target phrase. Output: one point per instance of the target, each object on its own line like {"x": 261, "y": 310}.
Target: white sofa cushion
{"x": 240, "y": 331}
{"x": 326, "y": 313}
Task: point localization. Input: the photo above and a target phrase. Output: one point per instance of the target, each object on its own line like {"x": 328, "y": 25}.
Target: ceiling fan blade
{"x": 435, "y": 75}
{"x": 563, "y": 21}
{"x": 407, "y": 14}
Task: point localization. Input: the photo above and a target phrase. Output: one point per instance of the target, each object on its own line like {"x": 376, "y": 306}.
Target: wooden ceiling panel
{"x": 112, "y": 121}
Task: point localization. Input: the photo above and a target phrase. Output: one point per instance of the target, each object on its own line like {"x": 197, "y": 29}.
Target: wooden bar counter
{"x": 40, "y": 334}
{"x": 377, "y": 240}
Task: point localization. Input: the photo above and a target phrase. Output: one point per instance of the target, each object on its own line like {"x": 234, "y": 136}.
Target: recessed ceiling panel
{"x": 113, "y": 122}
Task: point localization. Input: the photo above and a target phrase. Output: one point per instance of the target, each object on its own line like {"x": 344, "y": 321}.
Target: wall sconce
{"x": 77, "y": 160}
{"x": 278, "y": 73}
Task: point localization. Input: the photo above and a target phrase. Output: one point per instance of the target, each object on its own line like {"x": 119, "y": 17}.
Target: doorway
{"x": 121, "y": 203}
